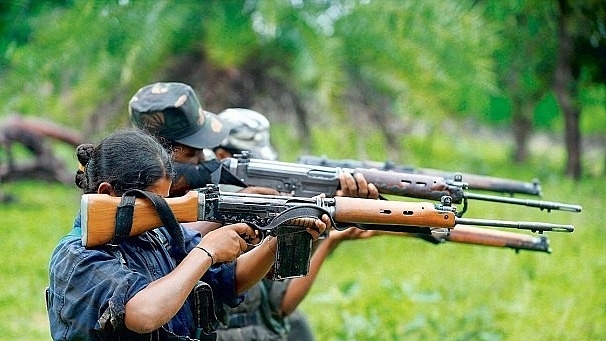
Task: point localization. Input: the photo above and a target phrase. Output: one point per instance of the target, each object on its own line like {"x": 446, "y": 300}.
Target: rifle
{"x": 282, "y": 216}
{"x": 473, "y": 181}
{"x": 482, "y": 236}
{"x": 310, "y": 180}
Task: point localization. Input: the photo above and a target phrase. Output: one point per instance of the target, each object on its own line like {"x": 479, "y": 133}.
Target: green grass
{"x": 386, "y": 288}
{"x": 32, "y": 226}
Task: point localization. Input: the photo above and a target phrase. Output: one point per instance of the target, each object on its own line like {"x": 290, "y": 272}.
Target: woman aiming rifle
{"x": 141, "y": 288}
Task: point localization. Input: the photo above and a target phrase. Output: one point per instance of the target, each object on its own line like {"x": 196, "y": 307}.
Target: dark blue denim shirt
{"x": 89, "y": 288}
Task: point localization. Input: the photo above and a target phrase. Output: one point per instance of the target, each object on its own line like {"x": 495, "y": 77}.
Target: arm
{"x": 253, "y": 265}
{"x": 300, "y": 286}
{"x": 157, "y": 303}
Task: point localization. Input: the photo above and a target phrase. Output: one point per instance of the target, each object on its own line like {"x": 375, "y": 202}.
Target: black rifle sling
{"x": 124, "y": 219}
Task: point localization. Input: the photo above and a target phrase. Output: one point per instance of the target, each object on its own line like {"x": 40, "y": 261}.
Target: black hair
{"x": 127, "y": 159}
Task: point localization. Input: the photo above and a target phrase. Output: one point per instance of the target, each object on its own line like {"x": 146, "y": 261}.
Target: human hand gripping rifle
{"x": 274, "y": 215}
{"x": 311, "y": 180}
{"x": 473, "y": 181}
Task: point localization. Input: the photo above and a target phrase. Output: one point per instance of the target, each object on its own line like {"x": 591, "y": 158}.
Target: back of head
{"x": 172, "y": 112}
{"x": 249, "y": 130}
{"x": 127, "y": 159}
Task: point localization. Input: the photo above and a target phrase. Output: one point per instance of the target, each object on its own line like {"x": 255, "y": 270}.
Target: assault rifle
{"x": 282, "y": 216}
{"x": 482, "y": 236}
{"x": 309, "y": 180}
{"x": 473, "y": 181}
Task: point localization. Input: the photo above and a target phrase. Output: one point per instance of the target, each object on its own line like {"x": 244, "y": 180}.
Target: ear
{"x": 222, "y": 153}
{"x": 105, "y": 188}
{"x": 177, "y": 153}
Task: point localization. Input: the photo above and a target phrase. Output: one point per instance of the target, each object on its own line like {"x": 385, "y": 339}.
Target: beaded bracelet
{"x": 212, "y": 260}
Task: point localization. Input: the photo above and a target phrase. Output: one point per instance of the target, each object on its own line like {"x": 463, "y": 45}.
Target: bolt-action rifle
{"x": 310, "y": 180}
{"x": 473, "y": 181}
{"x": 282, "y": 216}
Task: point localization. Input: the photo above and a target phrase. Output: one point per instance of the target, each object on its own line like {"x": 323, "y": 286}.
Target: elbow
{"x": 142, "y": 322}
{"x": 143, "y": 327}
{"x": 287, "y": 309}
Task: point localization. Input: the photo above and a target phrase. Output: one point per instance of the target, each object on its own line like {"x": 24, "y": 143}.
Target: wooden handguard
{"x": 476, "y": 235}
{"x": 385, "y": 212}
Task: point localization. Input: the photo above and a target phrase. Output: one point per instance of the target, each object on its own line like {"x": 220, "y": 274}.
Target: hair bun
{"x": 84, "y": 153}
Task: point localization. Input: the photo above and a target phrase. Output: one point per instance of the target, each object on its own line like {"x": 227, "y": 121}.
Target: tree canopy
{"x": 317, "y": 62}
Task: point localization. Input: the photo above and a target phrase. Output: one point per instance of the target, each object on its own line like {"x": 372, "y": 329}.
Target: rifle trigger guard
{"x": 261, "y": 234}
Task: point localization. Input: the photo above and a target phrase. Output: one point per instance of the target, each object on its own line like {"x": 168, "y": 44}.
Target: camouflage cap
{"x": 172, "y": 111}
{"x": 249, "y": 130}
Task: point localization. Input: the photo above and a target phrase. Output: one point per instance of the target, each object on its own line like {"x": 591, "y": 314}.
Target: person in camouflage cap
{"x": 172, "y": 112}
{"x": 168, "y": 110}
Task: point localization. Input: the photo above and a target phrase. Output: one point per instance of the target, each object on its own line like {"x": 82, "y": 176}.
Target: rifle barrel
{"x": 543, "y": 205}
{"x": 473, "y": 181}
{"x": 487, "y": 183}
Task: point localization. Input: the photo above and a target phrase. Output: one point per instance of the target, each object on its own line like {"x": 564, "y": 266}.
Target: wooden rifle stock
{"x": 98, "y": 214}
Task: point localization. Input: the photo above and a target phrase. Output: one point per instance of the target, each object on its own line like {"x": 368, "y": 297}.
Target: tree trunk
{"x": 522, "y": 126}
{"x": 566, "y": 90}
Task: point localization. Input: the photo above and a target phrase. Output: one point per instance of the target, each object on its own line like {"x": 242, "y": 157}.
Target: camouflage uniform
{"x": 260, "y": 317}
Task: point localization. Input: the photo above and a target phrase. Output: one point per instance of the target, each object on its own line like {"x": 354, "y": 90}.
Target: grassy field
{"x": 386, "y": 288}
{"x": 391, "y": 288}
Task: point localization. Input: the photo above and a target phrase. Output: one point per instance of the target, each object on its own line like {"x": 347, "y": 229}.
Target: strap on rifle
{"x": 124, "y": 219}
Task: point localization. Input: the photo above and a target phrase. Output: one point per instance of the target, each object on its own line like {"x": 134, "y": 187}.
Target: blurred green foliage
{"x": 72, "y": 60}
{"x": 75, "y": 57}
